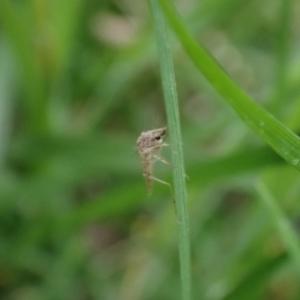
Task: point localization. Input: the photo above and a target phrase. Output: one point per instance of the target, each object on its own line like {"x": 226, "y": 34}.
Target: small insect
{"x": 149, "y": 145}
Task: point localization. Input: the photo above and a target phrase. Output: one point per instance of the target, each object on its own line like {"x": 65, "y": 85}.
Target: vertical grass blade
{"x": 171, "y": 103}
{"x": 18, "y": 27}
{"x": 278, "y": 136}
{"x": 287, "y": 233}
{"x": 283, "y": 34}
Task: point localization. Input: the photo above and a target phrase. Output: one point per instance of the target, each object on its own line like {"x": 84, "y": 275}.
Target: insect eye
{"x": 157, "y": 138}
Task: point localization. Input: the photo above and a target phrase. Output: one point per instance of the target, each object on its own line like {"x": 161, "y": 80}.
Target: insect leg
{"x": 161, "y": 159}
{"x": 159, "y": 180}
{"x": 163, "y": 182}
{"x": 171, "y": 190}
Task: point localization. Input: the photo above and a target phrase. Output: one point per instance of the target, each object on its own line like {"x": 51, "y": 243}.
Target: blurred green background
{"x": 79, "y": 81}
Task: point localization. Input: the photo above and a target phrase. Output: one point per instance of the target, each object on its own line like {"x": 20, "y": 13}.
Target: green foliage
{"x": 79, "y": 81}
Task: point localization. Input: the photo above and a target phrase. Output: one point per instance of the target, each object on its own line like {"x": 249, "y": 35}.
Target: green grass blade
{"x": 282, "y": 56}
{"x": 17, "y": 26}
{"x": 279, "y": 137}
{"x": 171, "y": 102}
{"x": 287, "y": 233}
{"x": 7, "y": 80}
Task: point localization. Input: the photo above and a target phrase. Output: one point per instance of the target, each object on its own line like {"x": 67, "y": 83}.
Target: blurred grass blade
{"x": 7, "y": 88}
{"x": 284, "y": 20}
{"x": 18, "y": 26}
{"x": 171, "y": 102}
{"x": 66, "y": 20}
{"x": 287, "y": 233}
{"x": 279, "y": 137}
{"x": 238, "y": 163}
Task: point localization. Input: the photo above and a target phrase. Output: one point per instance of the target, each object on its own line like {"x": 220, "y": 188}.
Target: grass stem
{"x": 171, "y": 103}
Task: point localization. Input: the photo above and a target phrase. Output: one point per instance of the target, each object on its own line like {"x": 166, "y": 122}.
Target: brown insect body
{"x": 149, "y": 145}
